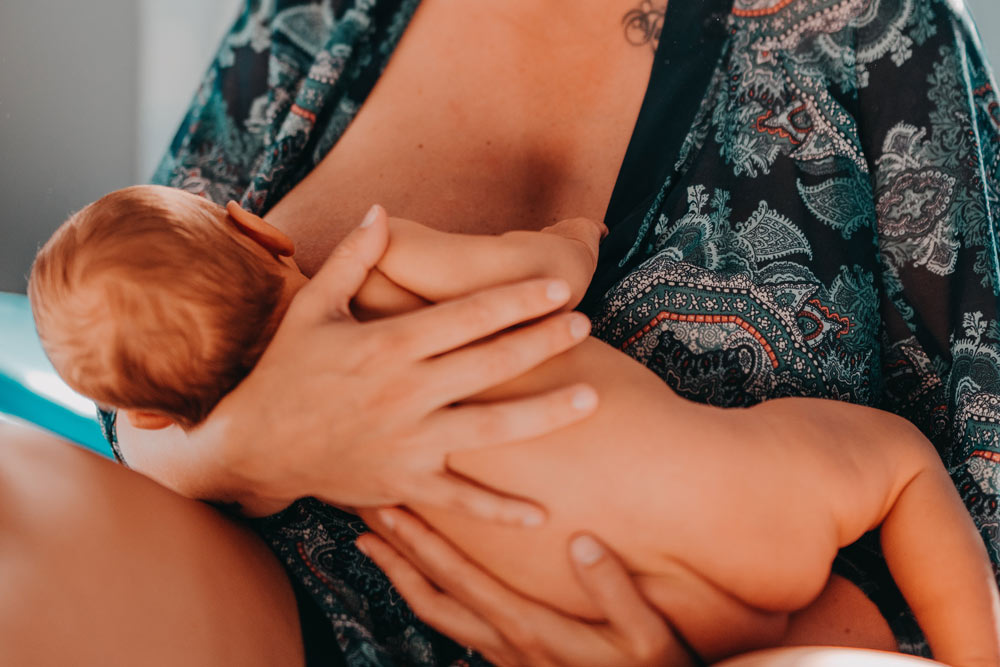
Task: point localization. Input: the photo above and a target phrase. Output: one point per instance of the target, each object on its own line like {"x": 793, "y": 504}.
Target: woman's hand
{"x": 363, "y": 414}
{"x": 460, "y": 600}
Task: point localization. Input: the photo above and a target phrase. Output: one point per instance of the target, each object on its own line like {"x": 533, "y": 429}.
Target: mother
{"x": 780, "y": 226}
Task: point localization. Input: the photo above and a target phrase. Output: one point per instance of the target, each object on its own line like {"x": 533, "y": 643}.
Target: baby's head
{"x": 159, "y": 302}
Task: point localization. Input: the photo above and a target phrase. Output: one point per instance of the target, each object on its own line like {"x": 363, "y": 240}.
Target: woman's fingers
{"x": 330, "y": 291}
{"x": 446, "y": 326}
{"x": 529, "y": 632}
{"x": 476, "y": 368}
{"x": 453, "y": 573}
{"x": 440, "y": 611}
{"x": 452, "y": 492}
{"x": 474, "y": 426}
{"x": 645, "y": 634}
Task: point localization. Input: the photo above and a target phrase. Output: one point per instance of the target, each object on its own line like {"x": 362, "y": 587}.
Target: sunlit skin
{"x": 731, "y": 508}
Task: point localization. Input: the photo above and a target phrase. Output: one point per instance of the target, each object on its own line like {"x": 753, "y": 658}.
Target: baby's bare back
{"x": 675, "y": 489}
{"x": 729, "y": 523}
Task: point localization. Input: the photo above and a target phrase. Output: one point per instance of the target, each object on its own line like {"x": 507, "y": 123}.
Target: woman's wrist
{"x": 228, "y": 467}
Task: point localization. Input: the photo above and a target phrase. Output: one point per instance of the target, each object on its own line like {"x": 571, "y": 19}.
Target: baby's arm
{"x": 436, "y": 266}
{"x": 938, "y": 560}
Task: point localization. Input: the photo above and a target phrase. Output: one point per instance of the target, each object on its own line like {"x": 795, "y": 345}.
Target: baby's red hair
{"x": 148, "y": 299}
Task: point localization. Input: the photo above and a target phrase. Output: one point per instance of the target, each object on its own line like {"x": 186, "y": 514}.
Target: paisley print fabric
{"x": 286, "y": 82}
{"x": 829, "y": 230}
{"x": 807, "y": 208}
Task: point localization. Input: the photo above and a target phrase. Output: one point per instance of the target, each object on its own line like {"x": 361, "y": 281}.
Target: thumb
{"x": 330, "y": 291}
{"x": 639, "y": 626}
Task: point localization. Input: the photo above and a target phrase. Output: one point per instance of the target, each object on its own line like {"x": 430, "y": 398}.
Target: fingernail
{"x": 586, "y": 550}
{"x": 579, "y": 327}
{"x": 361, "y": 547}
{"x": 370, "y": 216}
{"x": 557, "y": 291}
{"x": 385, "y": 516}
{"x": 584, "y": 398}
{"x": 533, "y": 519}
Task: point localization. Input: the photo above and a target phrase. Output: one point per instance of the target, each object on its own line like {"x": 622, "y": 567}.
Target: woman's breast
{"x": 478, "y": 125}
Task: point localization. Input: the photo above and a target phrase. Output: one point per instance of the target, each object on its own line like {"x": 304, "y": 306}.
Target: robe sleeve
{"x": 287, "y": 80}
{"x": 928, "y": 119}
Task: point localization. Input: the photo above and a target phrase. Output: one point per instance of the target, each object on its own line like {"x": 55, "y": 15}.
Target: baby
{"x": 159, "y": 302}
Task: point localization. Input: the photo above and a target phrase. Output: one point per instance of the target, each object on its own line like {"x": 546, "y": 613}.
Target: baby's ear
{"x": 146, "y": 419}
{"x": 267, "y": 235}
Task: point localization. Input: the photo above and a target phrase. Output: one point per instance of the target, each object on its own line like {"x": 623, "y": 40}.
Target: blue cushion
{"x": 29, "y": 387}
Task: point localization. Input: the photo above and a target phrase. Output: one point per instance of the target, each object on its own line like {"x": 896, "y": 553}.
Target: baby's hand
{"x": 574, "y": 261}
{"x": 588, "y": 232}
{"x": 439, "y": 266}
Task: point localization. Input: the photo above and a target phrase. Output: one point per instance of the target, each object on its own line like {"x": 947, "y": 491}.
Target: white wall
{"x": 67, "y": 116}
{"x": 177, "y": 42}
{"x": 987, "y": 15}
{"x": 91, "y": 92}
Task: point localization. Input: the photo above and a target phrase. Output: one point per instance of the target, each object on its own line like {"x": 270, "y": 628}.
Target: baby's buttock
{"x": 671, "y": 485}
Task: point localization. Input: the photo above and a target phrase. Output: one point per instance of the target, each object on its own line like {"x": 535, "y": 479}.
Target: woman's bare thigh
{"x": 102, "y": 566}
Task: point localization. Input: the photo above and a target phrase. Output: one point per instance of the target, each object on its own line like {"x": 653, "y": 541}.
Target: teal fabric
{"x": 31, "y": 391}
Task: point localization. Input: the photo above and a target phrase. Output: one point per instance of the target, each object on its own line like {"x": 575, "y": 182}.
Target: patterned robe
{"x": 807, "y": 208}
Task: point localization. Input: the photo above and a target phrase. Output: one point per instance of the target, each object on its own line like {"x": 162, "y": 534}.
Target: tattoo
{"x": 644, "y": 24}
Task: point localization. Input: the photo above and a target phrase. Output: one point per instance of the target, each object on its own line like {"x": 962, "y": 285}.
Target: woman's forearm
{"x": 194, "y": 465}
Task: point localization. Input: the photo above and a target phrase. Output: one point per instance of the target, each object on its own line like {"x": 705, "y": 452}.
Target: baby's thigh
{"x": 102, "y": 566}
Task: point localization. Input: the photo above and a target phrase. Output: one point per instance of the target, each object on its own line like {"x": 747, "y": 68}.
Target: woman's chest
{"x": 486, "y": 120}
